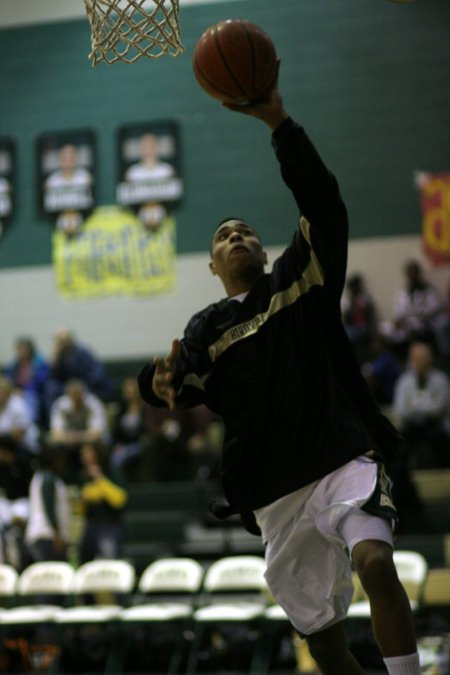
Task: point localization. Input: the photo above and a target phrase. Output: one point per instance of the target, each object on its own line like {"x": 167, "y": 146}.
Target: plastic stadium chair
{"x": 236, "y": 596}
{"x": 90, "y": 630}
{"x": 29, "y": 630}
{"x": 165, "y": 579}
{"x": 41, "y": 581}
{"x": 8, "y": 584}
{"x": 111, "y": 577}
{"x": 170, "y": 588}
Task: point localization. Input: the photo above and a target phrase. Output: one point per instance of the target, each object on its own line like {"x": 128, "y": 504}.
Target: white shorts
{"x": 308, "y": 560}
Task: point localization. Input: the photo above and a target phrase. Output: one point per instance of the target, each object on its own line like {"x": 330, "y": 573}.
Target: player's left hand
{"x": 269, "y": 108}
{"x": 164, "y": 373}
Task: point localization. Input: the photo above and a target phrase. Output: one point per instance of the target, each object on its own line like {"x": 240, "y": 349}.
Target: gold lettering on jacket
{"x": 311, "y": 276}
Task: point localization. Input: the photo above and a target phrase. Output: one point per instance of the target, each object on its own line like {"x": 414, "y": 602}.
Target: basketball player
{"x": 304, "y": 445}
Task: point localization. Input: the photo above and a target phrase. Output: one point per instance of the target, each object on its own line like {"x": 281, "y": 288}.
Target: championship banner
{"x": 66, "y": 177}
{"x": 114, "y": 254}
{"x": 435, "y": 205}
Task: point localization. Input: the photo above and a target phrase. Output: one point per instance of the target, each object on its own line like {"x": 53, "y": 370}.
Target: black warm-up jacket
{"x": 278, "y": 367}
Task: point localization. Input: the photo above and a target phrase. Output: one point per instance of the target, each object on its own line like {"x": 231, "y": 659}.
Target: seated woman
{"x": 129, "y": 432}
{"x": 29, "y": 372}
{"x": 102, "y": 501}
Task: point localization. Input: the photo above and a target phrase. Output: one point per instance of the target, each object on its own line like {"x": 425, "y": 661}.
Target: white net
{"x": 125, "y": 30}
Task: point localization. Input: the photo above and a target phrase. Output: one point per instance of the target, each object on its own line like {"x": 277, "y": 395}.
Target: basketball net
{"x": 125, "y": 30}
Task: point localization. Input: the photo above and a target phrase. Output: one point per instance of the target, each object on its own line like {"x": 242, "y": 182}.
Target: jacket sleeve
{"x": 316, "y": 192}
{"x": 192, "y": 371}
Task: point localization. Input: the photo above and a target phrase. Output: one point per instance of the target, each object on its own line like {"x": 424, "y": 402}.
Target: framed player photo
{"x": 149, "y": 170}
{"x": 66, "y": 162}
{"x": 7, "y": 165}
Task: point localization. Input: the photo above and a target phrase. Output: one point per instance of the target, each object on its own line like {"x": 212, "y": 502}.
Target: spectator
{"x": 359, "y": 315}
{"x": 102, "y": 502}
{"x": 28, "y": 372}
{"x": 77, "y": 417}
{"x": 15, "y": 418}
{"x": 15, "y": 477}
{"x": 382, "y": 370}
{"x": 129, "y": 434}
{"x": 418, "y": 313}
{"x": 421, "y": 403}
{"x": 180, "y": 445}
{"x": 72, "y": 360}
{"x": 47, "y": 531}
{"x": 205, "y": 444}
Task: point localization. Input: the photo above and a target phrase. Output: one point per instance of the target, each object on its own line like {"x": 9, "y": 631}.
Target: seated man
{"x": 72, "y": 360}
{"x": 77, "y": 417}
{"x": 418, "y": 313}
{"x": 421, "y": 403}
{"x": 359, "y": 315}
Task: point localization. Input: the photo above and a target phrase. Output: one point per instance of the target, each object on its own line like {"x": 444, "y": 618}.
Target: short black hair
{"x": 225, "y": 220}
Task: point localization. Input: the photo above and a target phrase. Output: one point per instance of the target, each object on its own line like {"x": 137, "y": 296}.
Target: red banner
{"x": 435, "y": 205}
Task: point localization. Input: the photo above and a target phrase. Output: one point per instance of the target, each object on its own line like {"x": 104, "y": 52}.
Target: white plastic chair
{"x": 235, "y": 592}
{"x": 8, "y": 583}
{"x": 99, "y": 577}
{"x": 164, "y": 578}
{"x": 112, "y": 578}
{"x": 40, "y": 579}
{"x": 171, "y": 587}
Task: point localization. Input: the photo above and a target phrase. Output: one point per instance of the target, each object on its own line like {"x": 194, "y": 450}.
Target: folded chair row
{"x": 171, "y": 591}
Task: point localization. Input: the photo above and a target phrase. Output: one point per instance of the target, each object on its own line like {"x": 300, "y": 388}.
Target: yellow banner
{"x": 435, "y": 205}
{"x": 114, "y": 254}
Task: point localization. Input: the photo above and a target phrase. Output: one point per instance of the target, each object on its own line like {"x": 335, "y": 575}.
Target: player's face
{"x": 236, "y": 247}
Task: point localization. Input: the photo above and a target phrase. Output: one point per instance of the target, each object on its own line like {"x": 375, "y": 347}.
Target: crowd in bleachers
{"x": 63, "y": 425}
{"x": 73, "y": 441}
{"x": 64, "y": 422}
{"x": 406, "y": 362}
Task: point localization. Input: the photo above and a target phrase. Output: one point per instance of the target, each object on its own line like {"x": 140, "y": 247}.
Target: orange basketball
{"x": 235, "y": 61}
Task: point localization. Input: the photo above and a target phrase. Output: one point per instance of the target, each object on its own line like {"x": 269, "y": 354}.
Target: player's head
{"x": 237, "y": 254}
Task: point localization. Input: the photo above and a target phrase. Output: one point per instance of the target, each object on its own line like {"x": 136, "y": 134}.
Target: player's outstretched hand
{"x": 164, "y": 374}
{"x": 269, "y": 109}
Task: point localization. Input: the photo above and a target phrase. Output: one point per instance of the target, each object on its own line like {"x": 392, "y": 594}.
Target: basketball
{"x": 235, "y": 61}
